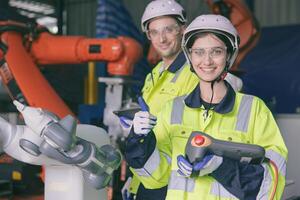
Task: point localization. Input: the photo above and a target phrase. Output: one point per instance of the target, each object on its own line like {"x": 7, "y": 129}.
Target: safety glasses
{"x": 212, "y": 52}
{"x": 170, "y": 30}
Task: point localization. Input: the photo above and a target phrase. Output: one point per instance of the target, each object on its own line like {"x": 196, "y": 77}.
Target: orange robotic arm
{"x": 121, "y": 53}
{"x": 20, "y": 52}
{"x": 51, "y": 49}
{"x": 244, "y": 22}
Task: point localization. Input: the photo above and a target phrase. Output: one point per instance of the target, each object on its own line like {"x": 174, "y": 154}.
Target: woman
{"x": 210, "y": 44}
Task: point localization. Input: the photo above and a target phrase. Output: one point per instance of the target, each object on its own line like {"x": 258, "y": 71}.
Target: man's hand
{"x": 143, "y": 122}
{"x": 125, "y": 122}
{"x": 126, "y": 125}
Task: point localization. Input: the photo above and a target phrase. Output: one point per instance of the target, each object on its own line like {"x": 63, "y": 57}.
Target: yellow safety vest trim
{"x": 150, "y": 166}
{"x": 218, "y": 190}
{"x": 244, "y": 113}
{"x": 178, "y": 182}
{"x": 266, "y": 184}
{"x": 177, "y": 110}
{"x": 278, "y": 160}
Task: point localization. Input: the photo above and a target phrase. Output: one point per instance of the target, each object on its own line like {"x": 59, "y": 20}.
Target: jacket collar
{"x": 177, "y": 63}
{"x": 193, "y": 100}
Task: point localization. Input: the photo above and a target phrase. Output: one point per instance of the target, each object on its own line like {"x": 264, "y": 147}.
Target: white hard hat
{"x": 215, "y": 24}
{"x": 159, "y": 8}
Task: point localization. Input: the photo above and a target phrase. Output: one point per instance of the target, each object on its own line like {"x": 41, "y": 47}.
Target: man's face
{"x": 165, "y": 35}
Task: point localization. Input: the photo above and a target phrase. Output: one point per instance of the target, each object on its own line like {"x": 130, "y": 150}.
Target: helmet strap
{"x": 211, "y": 99}
{"x": 222, "y": 76}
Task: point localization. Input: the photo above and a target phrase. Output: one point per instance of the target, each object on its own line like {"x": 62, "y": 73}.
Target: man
{"x": 163, "y": 22}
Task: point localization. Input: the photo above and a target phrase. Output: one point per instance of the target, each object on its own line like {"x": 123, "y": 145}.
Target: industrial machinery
{"x": 243, "y": 20}
{"x": 78, "y": 158}
{"x": 200, "y": 144}
{"x": 23, "y": 47}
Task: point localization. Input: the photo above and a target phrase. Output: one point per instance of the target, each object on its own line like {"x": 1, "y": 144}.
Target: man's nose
{"x": 162, "y": 36}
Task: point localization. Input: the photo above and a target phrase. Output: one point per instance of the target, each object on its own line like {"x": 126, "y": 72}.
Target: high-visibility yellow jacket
{"x": 163, "y": 85}
{"x": 239, "y": 118}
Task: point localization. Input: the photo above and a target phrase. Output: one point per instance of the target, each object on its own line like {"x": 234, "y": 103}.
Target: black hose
{"x": 29, "y": 28}
{"x": 3, "y": 48}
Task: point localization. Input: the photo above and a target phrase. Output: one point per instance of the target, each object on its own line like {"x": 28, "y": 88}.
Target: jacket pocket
{"x": 170, "y": 90}
{"x": 180, "y": 136}
{"x": 233, "y": 136}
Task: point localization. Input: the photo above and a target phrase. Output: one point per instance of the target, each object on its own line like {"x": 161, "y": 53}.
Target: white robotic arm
{"x": 47, "y": 140}
{"x": 11, "y": 136}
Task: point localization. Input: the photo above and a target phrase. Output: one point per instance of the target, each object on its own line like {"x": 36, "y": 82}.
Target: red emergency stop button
{"x": 199, "y": 140}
